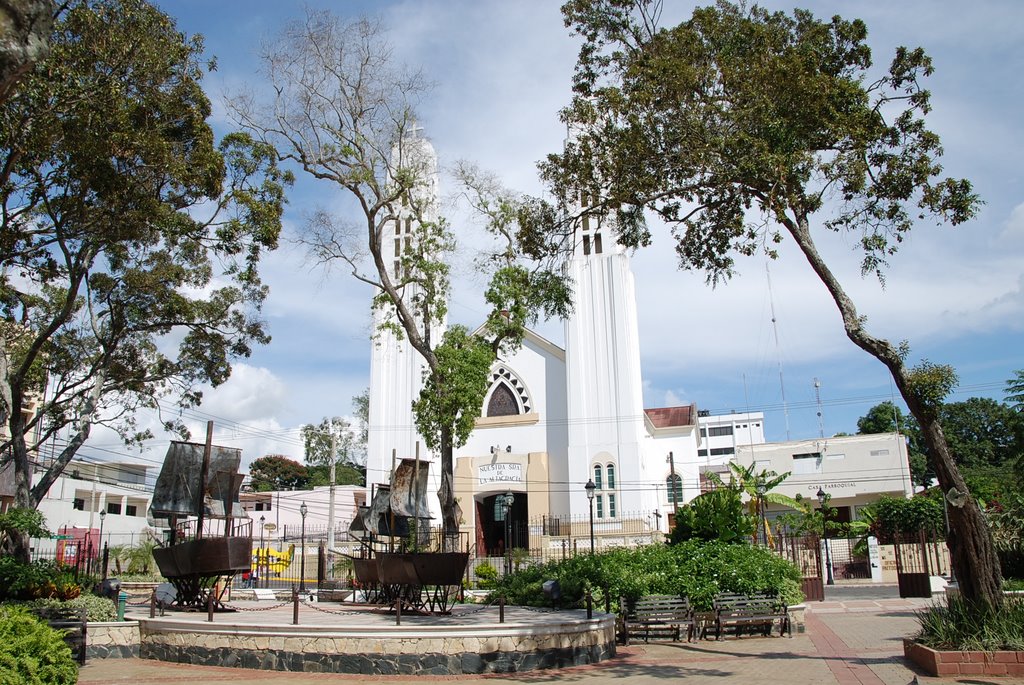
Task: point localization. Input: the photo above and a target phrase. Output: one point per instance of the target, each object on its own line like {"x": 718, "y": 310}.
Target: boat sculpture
{"x": 399, "y": 562}
{"x": 196, "y": 495}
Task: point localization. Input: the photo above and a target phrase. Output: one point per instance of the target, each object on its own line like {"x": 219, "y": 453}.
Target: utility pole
{"x": 672, "y": 477}
{"x": 330, "y": 500}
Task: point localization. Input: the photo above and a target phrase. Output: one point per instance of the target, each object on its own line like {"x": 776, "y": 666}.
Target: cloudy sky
{"x": 502, "y": 71}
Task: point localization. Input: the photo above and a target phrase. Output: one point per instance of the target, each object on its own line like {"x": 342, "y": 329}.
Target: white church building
{"x": 554, "y": 420}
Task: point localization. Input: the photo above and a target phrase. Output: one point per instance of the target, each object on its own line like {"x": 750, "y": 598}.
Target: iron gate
{"x": 919, "y": 556}
{"x": 805, "y": 552}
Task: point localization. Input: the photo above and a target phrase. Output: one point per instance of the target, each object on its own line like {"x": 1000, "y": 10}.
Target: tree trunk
{"x": 446, "y": 495}
{"x": 972, "y": 553}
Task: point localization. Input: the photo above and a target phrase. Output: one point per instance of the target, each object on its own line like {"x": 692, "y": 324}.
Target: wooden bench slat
{"x": 657, "y": 615}
{"x": 758, "y": 610}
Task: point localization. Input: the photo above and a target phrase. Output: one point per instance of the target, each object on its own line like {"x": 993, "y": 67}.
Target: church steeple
{"x": 396, "y": 369}
{"x": 604, "y": 386}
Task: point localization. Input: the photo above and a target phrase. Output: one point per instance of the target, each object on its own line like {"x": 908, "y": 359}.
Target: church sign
{"x": 500, "y": 473}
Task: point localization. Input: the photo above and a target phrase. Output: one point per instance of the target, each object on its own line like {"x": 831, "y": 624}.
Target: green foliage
{"x": 317, "y": 440}
{"x": 18, "y": 521}
{"x": 486, "y": 576}
{"x": 982, "y": 433}
{"x": 716, "y": 515}
{"x": 693, "y": 568}
{"x": 277, "y": 472}
{"x": 96, "y": 608}
{"x": 740, "y": 108}
{"x": 962, "y": 625}
{"x": 453, "y": 391}
{"x": 131, "y": 261}
{"x": 1015, "y": 390}
{"x": 344, "y": 474}
{"x": 32, "y": 653}
{"x": 930, "y": 384}
{"x": 896, "y": 516}
{"x": 38, "y": 579}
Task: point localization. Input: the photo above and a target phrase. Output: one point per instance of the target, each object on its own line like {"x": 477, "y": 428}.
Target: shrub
{"x": 960, "y": 625}
{"x": 96, "y": 608}
{"x": 895, "y": 516}
{"x": 486, "y": 576}
{"x": 31, "y": 652}
{"x": 694, "y": 568}
{"x": 42, "y": 578}
{"x": 716, "y": 515}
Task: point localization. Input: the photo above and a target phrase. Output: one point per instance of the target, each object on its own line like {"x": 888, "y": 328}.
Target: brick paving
{"x": 855, "y": 642}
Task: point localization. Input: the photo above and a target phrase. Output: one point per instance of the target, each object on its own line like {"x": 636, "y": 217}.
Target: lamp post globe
{"x": 822, "y": 497}
{"x": 303, "y": 510}
{"x": 590, "y": 488}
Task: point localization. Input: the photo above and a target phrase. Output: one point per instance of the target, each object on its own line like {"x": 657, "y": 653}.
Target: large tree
{"x": 341, "y": 108}
{"x": 130, "y": 241}
{"x": 277, "y": 472}
{"x": 740, "y": 126}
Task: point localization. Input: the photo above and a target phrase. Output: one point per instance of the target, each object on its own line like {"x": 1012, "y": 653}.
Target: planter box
{"x": 941, "y": 663}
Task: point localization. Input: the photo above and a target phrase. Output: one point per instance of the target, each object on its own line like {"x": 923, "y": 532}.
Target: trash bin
{"x": 122, "y": 600}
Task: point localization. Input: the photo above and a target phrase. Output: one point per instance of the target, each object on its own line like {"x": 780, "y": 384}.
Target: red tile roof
{"x": 669, "y": 417}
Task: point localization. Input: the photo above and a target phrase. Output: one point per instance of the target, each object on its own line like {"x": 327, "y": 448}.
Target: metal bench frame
{"x": 657, "y": 616}
{"x": 757, "y": 612}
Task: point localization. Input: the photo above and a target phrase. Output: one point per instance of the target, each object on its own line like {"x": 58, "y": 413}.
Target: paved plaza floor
{"x": 847, "y": 641}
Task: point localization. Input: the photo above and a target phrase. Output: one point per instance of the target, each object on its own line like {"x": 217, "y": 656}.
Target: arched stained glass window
{"x": 503, "y": 401}
{"x": 597, "y": 476}
{"x": 610, "y": 470}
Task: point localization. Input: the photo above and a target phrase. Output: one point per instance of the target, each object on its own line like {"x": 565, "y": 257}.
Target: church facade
{"x": 553, "y": 419}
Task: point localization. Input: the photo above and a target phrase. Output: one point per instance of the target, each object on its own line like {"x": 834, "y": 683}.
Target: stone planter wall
{"x": 940, "y": 663}
{"x": 433, "y": 650}
{"x": 113, "y": 640}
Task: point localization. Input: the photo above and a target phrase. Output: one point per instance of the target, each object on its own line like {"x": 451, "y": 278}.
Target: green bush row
{"x": 32, "y": 653}
{"x": 694, "y": 568}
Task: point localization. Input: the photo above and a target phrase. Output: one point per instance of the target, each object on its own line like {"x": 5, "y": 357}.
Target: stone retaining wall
{"x": 498, "y": 649}
{"x": 112, "y": 640}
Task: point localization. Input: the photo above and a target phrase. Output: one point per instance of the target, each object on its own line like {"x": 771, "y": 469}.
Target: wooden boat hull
{"x": 427, "y": 568}
{"x": 205, "y": 557}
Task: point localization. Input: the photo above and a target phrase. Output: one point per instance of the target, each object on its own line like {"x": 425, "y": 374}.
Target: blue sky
{"x": 501, "y": 72}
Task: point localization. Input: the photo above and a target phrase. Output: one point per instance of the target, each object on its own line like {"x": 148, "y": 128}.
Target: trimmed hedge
{"x": 694, "y": 568}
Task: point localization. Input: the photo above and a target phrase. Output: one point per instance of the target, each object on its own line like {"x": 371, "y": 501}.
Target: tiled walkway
{"x": 845, "y": 643}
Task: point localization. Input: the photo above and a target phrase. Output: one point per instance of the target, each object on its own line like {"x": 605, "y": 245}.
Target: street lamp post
{"x": 103, "y": 516}
{"x": 260, "y": 563}
{"x": 824, "y": 531}
{"x": 303, "y": 510}
{"x": 590, "y": 488}
{"x": 507, "y": 506}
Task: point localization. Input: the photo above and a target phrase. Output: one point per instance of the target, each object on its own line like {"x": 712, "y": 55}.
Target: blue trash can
{"x": 122, "y": 601}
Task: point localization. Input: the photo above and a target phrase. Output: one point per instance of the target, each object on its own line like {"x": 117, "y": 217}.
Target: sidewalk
{"x": 846, "y": 643}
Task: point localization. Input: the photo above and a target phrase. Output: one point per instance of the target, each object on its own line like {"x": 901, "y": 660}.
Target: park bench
{"x": 656, "y": 616}
{"x": 71, "y": 622}
{"x": 757, "y": 612}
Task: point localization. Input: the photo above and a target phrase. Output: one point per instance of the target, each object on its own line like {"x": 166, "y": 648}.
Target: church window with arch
{"x": 604, "y": 485}
{"x": 508, "y": 394}
{"x": 674, "y": 484}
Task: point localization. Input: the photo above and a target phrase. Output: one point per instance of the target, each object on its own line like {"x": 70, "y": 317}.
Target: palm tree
{"x": 758, "y": 488}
